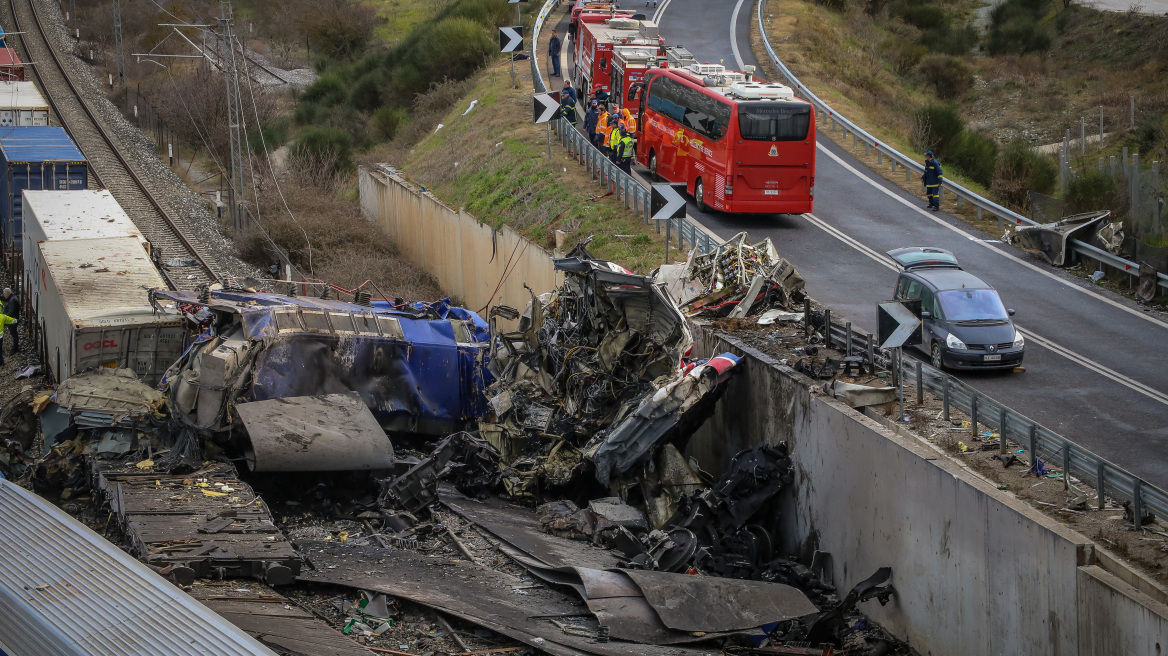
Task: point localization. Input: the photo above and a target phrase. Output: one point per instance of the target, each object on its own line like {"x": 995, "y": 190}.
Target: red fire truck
{"x": 595, "y": 12}
{"x": 594, "y": 49}
{"x": 739, "y": 144}
{"x": 631, "y": 62}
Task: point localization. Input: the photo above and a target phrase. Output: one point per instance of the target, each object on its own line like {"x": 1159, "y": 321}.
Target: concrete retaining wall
{"x": 976, "y": 571}
{"x": 468, "y": 258}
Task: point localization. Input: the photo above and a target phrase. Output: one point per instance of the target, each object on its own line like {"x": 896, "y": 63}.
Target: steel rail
{"x": 161, "y": 229}
{"x": 911, "y": 164}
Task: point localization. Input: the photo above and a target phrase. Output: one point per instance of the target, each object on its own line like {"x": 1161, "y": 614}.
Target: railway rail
{"x": 108, "y": 166}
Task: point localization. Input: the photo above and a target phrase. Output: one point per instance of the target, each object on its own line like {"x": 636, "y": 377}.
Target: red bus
{"x": 738, "y": 144}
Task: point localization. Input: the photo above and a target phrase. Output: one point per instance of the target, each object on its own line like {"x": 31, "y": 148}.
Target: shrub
{"x": 273, "y": 135}
{"x": 948, "y": 41}
{"x": 1018, "y": 36}
{"x": 307, "y": 113}
{"x": 340, "y": 29}
{"x": 1091, "y": 190}
{"x": 386, "y": 121}
{"x": 975, "y": 155}
{"x": 366, "y": 93}
{"x": 317, "y": 146}
{"x": 327, "y": 90}
{"x": 1020, "y": 169}
{"x": 1148, "y": 135}
{"x": 949, "y": 76}
{"x": 901, "y": 54}
{"x": 834, "y": 5}
{"x": 937, "y": 125}
{"x": 921, "y": 16}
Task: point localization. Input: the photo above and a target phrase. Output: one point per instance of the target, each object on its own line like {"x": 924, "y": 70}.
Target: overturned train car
{"x": 276, "y": 379}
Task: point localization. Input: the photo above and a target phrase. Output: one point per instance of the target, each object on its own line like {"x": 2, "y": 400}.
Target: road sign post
{"x": 511, "y": 40}
{"x": 543, "y": 109}
{"x": 667, "y": 203}
{"x": 898, "y": 325}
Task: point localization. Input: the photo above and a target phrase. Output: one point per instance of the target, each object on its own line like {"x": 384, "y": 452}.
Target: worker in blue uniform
{"x": 932, "y": 178}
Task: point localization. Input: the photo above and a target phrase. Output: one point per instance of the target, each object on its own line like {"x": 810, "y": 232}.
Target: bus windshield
{"x": 773, "y": 121}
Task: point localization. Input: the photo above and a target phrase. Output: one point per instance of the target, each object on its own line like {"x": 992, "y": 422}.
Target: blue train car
{"x": 35, "y": 158}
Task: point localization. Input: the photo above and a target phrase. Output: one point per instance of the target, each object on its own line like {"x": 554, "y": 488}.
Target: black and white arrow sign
{"x": 544, "y": 107}
{"x": 898, "y": 323}
{"x": 667, "y": 202}
{"x": 510, "y": 39}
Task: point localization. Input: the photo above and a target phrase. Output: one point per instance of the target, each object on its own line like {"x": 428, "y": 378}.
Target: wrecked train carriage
{"x": 417, "y": 368}
{"x": 579, "y": 353}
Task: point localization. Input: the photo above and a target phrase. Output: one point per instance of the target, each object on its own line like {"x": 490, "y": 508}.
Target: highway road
{"x": 1097, "y": 364}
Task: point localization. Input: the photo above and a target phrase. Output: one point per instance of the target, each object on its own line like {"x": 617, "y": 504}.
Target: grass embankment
{"x": 977, "y": 85}
{"x": 493, "y": 162}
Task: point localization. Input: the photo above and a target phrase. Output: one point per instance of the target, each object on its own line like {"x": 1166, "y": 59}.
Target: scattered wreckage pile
{"x": 579, "y": 417}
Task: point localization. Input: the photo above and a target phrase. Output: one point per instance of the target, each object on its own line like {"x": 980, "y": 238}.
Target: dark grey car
{"x": 966, "y": 326}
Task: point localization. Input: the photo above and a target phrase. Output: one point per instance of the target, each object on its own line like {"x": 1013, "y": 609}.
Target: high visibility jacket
{"x": 602, "y": 126}
{"x": 614, "y": 137}
{"x": 5, "y": 320}
{"x": 626, "y": 147}
{"x": 628, "y": 122}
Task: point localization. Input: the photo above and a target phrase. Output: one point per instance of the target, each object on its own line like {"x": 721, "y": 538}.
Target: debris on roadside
{"x": 736, "y": 280}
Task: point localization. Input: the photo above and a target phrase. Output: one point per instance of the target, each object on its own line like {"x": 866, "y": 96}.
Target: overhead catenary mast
{"x": 234, "y": 113}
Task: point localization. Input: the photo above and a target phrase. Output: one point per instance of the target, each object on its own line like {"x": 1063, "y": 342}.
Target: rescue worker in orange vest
{"x": 627, "y": 121}
{"x": 602, "y": 128}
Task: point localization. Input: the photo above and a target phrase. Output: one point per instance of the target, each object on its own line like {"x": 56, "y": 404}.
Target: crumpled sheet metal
{"x": 712, "y": 604}
{"x": 332, "y": 432}
{"x": 109, "y": 396}
{"x": 736, "y": 279}
{"x": 859, "y": 396}
{"x": 1049, "y": 240}
{"x": 655, "y": 415}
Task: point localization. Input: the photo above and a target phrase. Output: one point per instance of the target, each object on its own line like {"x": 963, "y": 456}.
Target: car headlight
{"x": 1019, "y": 341}
{"x": 952, "y": 342}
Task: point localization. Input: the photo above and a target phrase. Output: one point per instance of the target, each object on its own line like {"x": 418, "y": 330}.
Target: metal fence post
{"x": 1034, "y": 447}
{"x": 920, "y": 384}
{"x": 1133, "y": 112}
{"x": 827, "y": 327}
{"x": 945, "y": 399}
{"x": 1066, "y": 465}
{"x": 1002, "y": 431}
{"x": 1101, "y": 482}
{"x": 848, "y": 339}
{"x": 973, "y": 411}
{"x": 1135, "y": 185}
{"x": 1101, "y": 127}
{"x": 1082, "y": 135}
{"x": 871, "y": 356}
{"x": 1138, "y": 504}
{"x": 1155, "y": 197}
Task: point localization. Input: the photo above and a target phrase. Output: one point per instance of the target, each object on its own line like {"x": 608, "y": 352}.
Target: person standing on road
{"x": 932, "y": 179}
{"x": 554, "y": 53}
{"x": 614, "y": 138}
{"x": 568, "y": 102}
{"x": 11, "y": 309}
{"x": 627, "y": 149}
{"x": 590, "y": 119}
{"x": 600, "y": 136}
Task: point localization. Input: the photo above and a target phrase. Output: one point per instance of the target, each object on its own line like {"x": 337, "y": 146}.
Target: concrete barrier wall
{"x": 468, "y": 258}
{"x": 976, "y": 571}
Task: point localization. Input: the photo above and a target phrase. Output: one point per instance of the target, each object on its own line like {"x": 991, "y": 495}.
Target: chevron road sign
{"x": 898, "y": 324}
{"x": 544, "y": 107}
{"x": 667, "y": 202}
{"x": 511, "y": 38}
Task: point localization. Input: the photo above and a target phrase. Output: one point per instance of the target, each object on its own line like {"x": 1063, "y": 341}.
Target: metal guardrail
{"x": 1109, "y": 480}
{"x": 910, "y": 165}
{"x": 627, "y": 189}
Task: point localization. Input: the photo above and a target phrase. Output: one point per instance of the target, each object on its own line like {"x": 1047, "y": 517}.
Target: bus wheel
{"x": 653, "y": 167}
{"x": 699, "y": 195}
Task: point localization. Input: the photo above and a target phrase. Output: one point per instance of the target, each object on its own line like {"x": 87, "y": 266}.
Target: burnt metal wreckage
{"x": 564, "y": 434}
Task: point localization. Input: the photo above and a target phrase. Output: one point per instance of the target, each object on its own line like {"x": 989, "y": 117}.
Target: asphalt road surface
{"x": 1097, "y": 364}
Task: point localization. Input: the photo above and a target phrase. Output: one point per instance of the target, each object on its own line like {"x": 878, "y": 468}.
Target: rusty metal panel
{"x": 332, "y": 432}
{"x": 66, "y": 590}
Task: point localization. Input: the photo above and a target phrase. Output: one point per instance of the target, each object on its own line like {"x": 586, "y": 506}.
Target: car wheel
{"x": 935, "y": 356}
{"x": 699, "y": 195}
{"x": 653, "y": 167}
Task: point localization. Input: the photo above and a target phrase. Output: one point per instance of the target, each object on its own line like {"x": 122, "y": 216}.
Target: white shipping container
{"x": 53, "y": 215}
{"x": 22, "y": 105}
{"x": 95, "y": 310}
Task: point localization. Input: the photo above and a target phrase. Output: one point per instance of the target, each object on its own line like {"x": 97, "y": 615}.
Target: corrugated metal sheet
{"x": 38, "y": 144}
{"x": 82, "y": 214}
{"x": 102, "y": 281}
{"x": 35, "y": 158}
{"x": 65, "y": 590}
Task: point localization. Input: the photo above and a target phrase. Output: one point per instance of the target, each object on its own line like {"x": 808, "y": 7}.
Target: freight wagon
{"x": 11, "y": 68}
{"x": 22, "y": 104}
{"x": 66, "y": 216}
{"x": 34, "y": 158}
{"x": 95, "y": 309}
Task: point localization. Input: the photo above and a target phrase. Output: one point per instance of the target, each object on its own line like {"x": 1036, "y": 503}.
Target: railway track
{"x": 108, "y": 166}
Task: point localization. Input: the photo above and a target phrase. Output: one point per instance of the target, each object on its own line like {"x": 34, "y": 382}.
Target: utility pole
{"x": 234, "y": 113}
{"x": 119, "y": 48}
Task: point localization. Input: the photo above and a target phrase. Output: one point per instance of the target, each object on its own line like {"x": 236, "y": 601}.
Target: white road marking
{"x": 733, "y": 37}
{"x": 660, "y": 11}
{"x": 1100, "y": 369}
